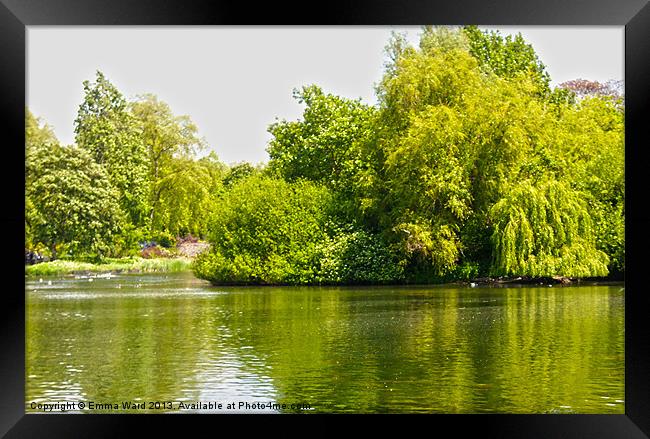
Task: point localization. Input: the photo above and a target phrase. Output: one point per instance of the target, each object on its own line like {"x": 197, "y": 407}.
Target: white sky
{"x": 234, "y": 81}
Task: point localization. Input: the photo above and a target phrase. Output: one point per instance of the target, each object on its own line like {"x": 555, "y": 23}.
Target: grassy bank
{"x": 132, "y": 265}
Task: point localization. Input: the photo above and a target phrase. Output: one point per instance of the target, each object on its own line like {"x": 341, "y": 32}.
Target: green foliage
{"x": 164, "y": 134}
{"x": 177, "y": 183}
{"x": 452, "y": 139}
{"x": 269, "y": 231}
{"x": 425, "y": 242}
{"x": 508, "y": 57}
{"x": 601, "y": 174}
{"x": 265, "y": 231}
{"x": 237, "y": 173}
{"x": 126, "y": 243}
{"x": 330, "y": 145}
{"x": 114, "y": 265}
{"x": 358, "y": 258}
{"x": 105, "y": 128}
{"x": 436, "y": 77}
{"x": 37, "y": 133}
{"x": 470, "y": 165}
{"x": 465, "y": 120}
{"x": 545, "y": 230}
{"x": 72, "y": 204}
{"x": 186, "y": 195}
{"x": 138, "y": 155}
{"x": 609, "y": 230}
{"x": 466, "y": 271}
{"x": 324, "y": 146}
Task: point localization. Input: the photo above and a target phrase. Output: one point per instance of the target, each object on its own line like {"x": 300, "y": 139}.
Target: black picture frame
{"x": 15, "y": 15}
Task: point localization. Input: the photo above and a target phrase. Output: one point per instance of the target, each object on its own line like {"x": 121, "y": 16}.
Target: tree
{"x": 591, "y": 135}
{"x": 105, "y": 128}
{"x": 330, "y": 145}
{"x": 458, "y": 138}
{"x": 507, "y": 57}
{"x": 37, "y": 133}
{"x": 545, "y": 230}
{"x": 583, "y": 88}
{"x": 72, "y": 203}
{"x": 169, "y": 141}
{"x": 449, "y": 140}
{"x": 187, "y": 193}
{"x": 324, "y": 146}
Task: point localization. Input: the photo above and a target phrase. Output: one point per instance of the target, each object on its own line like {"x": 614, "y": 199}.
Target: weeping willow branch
{"x": 545, "y": 230}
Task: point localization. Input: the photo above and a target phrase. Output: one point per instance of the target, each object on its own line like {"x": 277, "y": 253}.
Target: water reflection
{"x": 380, "y": 349}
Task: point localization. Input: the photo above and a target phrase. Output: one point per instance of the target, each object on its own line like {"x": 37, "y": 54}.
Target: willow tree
{"x": 590, "y": 144}
{"x": 545, "y": 230}
{"x": 468, "y": 141}
{"x": 170, "y": 142}
{"x": 187, "y": 193}
{"x": 454, "y": 136}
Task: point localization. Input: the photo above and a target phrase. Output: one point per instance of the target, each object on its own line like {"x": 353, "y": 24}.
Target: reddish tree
{"x": 584, "y": 87}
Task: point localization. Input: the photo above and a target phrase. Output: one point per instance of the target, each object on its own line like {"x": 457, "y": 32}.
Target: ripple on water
{"x": 340, "y": 350}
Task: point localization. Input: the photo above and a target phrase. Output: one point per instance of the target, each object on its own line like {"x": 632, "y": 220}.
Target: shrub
{"x": 358, "y": 257}
{"x": 265, "y": 231}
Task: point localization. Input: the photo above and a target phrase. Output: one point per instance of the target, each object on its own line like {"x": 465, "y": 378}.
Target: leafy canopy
{"x": 108, "y": 131}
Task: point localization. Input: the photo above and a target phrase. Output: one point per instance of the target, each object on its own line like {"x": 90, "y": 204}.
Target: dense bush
{"x": 269, "y": 231}
{"x": 358, "y": 258}
{"x": 266, "y": 231}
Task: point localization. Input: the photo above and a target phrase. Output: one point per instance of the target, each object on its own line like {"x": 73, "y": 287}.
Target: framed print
{"x": 211, "y": 231}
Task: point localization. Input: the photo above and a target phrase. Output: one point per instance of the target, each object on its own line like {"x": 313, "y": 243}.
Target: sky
{"x": 235, "y": 81}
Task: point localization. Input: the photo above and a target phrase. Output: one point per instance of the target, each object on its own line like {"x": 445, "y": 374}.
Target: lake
{"x": 167, "y": 339}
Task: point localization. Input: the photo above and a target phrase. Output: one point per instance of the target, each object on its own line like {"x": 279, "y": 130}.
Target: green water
{"x": 173, "y": 338}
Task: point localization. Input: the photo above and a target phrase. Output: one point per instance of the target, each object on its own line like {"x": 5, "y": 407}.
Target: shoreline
{"x": 134, "y": 264}
{"x": 510, "y": 282}
{"x": 137, "y": 265}
{"x": 523, "y": 281}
